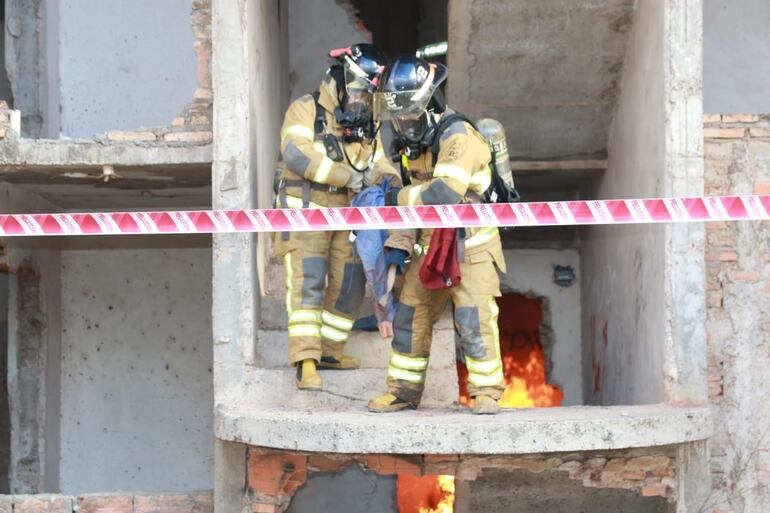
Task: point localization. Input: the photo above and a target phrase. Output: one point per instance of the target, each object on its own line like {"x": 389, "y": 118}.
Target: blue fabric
{"x": 398, "y": 258}
{"x": 370, "y": 245}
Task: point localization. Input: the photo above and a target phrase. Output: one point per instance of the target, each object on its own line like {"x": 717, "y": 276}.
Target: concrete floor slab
{"x": 456, "y": 430}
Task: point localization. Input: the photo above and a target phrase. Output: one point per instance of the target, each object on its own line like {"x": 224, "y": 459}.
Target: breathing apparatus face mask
{"x": 407, "y": 111}
{"x": 355, "y": 113}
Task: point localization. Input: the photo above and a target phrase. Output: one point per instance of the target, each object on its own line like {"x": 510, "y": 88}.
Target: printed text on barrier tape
{"x": 592, "y": 212}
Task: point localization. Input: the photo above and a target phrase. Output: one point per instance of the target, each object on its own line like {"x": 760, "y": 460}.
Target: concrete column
{"x": 233, "y": 184}
{"x": 229, "y": 477}
{"x": 249, "y": 72}
{"x": 685, "y": 367}
{"x": 694, "y": 481}
{"x": 24, "y": 57}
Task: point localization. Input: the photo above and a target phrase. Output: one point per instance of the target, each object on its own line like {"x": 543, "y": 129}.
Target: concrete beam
{"x": 62, "y": 153}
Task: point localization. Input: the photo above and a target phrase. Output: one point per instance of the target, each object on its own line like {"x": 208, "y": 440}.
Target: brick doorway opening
{"x": 525, "y": 352}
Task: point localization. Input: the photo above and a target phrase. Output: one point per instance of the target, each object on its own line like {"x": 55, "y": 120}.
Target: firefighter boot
{"x": 387, "y": 403}
{"x": 307, "y": 377}
{"x": 485, "y": 405}
{"x": 340, "y": 362}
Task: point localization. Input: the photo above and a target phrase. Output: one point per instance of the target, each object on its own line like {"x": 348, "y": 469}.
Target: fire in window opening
{"x": 524, "y": 361}
{"x": 426, "y": 494}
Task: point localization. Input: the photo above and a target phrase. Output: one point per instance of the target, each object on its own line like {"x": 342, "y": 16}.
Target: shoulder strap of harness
{"x": 442, "y": 127}
{"x": 320, "y": 114}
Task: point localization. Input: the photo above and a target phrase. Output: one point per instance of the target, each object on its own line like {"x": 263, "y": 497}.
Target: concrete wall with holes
{"x": 136, "y": 371}
{"x": 120, "y": 65}
{"x": 531, "y": 273}
{"x": 736, "y": 49}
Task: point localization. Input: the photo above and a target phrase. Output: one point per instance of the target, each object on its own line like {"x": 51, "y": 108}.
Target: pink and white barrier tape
{"x": 595, "y": 212}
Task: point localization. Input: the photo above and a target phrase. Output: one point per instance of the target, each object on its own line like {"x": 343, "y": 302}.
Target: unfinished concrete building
{"x": 149, "y": 373}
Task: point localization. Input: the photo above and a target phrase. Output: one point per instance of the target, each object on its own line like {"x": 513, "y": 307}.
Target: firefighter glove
{"x": 391, "y": 197}
{"x": 398, "y": 258}
{"x": 355, "y": 182}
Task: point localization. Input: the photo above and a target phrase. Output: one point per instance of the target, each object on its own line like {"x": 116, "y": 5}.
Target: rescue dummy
{"x": 457, "y": 172}
{"x": 330, "y": 149}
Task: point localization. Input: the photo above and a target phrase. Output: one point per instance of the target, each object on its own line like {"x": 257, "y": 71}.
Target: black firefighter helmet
{"x": 357, "y": 71}
{"x": 409, "y": 96}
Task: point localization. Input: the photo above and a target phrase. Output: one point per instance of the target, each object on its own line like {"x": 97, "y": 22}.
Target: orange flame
{"x": 522, "y": 355}
{"x": 427, "y": 494}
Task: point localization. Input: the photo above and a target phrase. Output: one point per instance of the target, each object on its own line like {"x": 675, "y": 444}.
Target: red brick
{"x": 749, "y": 276}
{"x": 760, "y": 132}
{"x": 385, "y": 464}
{"x": 191, "y": 137}
{"x": 714, "y": 299}
{"x": 763, "y": 476}
{"x": 3, "y": 133}
{"x": 326, "y": 464}
{"x": 163, "y": 504}
{"x": 615, "y": 465}
{"x": 42, "y": 504}
{"x": 712, "y": 118}
{"x": 722, "y": 256}
{"x": 269, "y": 473}
{"x": 204, "y": 93}
{"x": 633, "y": 476}
{"x": 203, "y": 51}
{"x": 178, "y": 122}
{"x": 440, "y": 458}
{"x": 648, "y": 463}
{"x": 203, "y": 502}
{"x": 654, "y": 491}
{"x": 408, "y": 467}
{"x": 762, "y": 188}
{"x": 723, "y": 133}
{"x": 740, "y": 118}
{"x": 131, "y": 136}
{"x": 596, "y": 463}
{"x": 263, "y": 508}
{"x": 200, "y": 120}
{"x": 105, "y": 504}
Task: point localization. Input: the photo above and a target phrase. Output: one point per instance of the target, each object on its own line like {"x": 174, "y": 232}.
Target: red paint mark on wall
{"x": 598, "y": 355}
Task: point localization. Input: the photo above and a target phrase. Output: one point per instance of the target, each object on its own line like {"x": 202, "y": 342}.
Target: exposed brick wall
{"x": 274, "y": 476}
{"x": 737, "y": 150}
{"x": 194, "y": 124}
{"x": 195, "y": 502}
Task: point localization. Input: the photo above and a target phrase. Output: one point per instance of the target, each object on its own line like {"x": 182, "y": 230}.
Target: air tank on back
{"x": 493, "y": 131}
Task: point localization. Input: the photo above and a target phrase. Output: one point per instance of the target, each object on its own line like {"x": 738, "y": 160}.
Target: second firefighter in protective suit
{"x": 330, "y": 149}
{"x": 460, "y": 173}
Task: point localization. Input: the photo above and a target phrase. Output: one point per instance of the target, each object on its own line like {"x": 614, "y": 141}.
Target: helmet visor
{"x": 392, "y": 105}
{"x": 356, "y": 79}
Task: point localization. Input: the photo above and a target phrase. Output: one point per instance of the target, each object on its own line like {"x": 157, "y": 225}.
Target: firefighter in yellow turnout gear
{"x": 410, "y": 98}
{"x": 330, "y": 149}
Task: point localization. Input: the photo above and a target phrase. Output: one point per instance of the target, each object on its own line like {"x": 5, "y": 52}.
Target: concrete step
{"x": 373, "y": 351}
{"x": 342, "y": 389}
